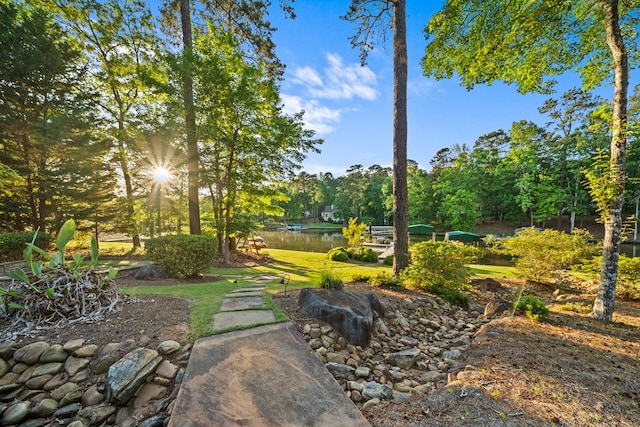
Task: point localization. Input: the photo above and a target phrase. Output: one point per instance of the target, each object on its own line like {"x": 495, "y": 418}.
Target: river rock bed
{"x": 413, "y": 349}
{"x": 77, "y": 384}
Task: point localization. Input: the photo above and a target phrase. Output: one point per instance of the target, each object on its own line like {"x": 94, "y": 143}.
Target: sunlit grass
{"x": 506, "y": 272}
{"x": 206, "y": 299}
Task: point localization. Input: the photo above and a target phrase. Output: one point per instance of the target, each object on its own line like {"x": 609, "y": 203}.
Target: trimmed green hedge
{"x": 338, "y": 254}
{"x": 183, "y": 255}
{"x": 12, "y": 245}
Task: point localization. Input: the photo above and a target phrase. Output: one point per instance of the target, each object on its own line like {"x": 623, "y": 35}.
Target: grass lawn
{"x": 298, "y": 269}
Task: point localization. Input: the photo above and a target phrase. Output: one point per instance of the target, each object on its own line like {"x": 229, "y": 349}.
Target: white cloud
{"x": 316, "y": 117}
{"x": 306, "y": 76}
{"x": 337, "y": 82}
{"x": 423, "y": 86}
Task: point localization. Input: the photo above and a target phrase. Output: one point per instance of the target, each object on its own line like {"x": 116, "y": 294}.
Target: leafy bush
{"x": 364, "y": 254}
{"x": 385, "y": 279}
{"x": 12, "y": 245}
{"x": 388, "y": 260}
{"x": 330, "y": 280}
{"x": 628, "y": 284}
{"x": 182, "y": 255}
{"x": 538, "y": 254}
{"x": 354, "y": 232}
{"x": 441, "y": 268}
{"x": 531, "y": 306}
{"x": 338, "y": 254}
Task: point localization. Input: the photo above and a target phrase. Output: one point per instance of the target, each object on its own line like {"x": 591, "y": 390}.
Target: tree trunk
{"x": 124, "y": 167}
{"x": 190, "y": 121}
{"x": 605, "y": 298}
{"x": 400, "y": 197}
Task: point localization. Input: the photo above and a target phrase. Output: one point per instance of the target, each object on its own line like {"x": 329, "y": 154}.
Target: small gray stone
{"x": 56, "y": 381}
{"x": 36, "y": 383}
{"x": 73, "y": 345}
{"x": 47, "y": 369}
{"x": 92, "y": 397}
{"x": 362, "y": 372}
{"x": 63, "y": 390}
{"x": 71, "y": 397}
{"x": 30, "y": 353}
{"x": 167, "y": 369}
{"x": 168, "y": 347}
{"x": 73, "y": 365}
{"x": 374, "y": 390}
{"x": 44, "y": 408}
{"x": 86, "y": 351}
{"x": 97, "y": 414}
{"x": 67, "y": 411}
{"x": 4, "y": 367}
{"x": 338, "y": 370}
{"x": 370, "y": 404}
{"x": 155, "y": 421}
{"x": 15, "y": 413}
{"x": 7, "y": 348}
{"x": 55, "y": 353}
{"x": 404, "y": 359}
{"x": 335, "y": 358}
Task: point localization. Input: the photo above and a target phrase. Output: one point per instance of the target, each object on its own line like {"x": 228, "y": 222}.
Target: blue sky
{"x": 350, "y": 107}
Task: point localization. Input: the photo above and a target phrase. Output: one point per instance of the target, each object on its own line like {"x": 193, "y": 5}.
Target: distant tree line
{"x": 533, "y": 174}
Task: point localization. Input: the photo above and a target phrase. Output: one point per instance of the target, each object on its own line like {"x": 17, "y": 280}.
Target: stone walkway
{"x": 244, "y": 307}
{"x": 265, "y": 375}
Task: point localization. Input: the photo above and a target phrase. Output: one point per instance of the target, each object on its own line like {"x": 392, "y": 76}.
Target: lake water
{"x": 323, "y": 241}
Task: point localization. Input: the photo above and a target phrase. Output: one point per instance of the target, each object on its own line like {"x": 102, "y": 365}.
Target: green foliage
{"x": 531, "y": 306}
{"x": 538, "y": 254}
{"x": 354, "y": 232}
{"x": 12, "y": 245}
{"x": 330, "y": 280}
{"x": 628, "y": 283}
{"x": 363, "y": 253}
{"x": 388, "y": 260}
{"x": 441, "y": 268}
{"x": 385, "y": 279}
{"x": 338, "y": 254}
{"x": 182, "y": 255}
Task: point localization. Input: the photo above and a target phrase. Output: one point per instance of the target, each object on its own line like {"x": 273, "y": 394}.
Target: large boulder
{"x": 350, "y": 314}
{"x": 150, "y": 272}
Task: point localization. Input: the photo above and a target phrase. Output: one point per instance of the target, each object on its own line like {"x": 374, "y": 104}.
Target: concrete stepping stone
{"x": 228, "y": 319}
{"x": 241, "y": 303}
{"x": 244, "y": 294}
{"x": 248, "y": 289}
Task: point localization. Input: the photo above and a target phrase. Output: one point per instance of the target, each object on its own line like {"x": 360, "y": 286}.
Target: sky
{"x": 351, "y": 107}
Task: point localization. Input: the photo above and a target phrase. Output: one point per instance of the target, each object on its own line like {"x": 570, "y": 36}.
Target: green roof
{"x": 463, "y": 236}
{"x": 421, "y": 229}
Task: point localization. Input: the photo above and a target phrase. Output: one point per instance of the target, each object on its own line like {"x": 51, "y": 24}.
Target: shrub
{"x": 12, "y": 245}
{"x": 628, "y": 284}
{"x": 538, "y": 254}
{"x": 330, "y": 280}
{"x": 531, "y": 306}
{"x": 364, "y": 254}
{"x": 441, "y": 268}
{"x": 338, "y": 254}
{"x": 385, "y": 279}
{"x": 182, "y": 255}
{"x": 354, "y": 232}
{"x": 388, "y": 260}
